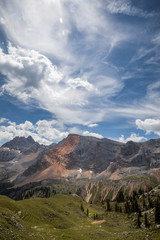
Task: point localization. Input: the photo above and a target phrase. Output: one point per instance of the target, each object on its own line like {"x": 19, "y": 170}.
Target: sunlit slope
{"x": 61, "y": 217}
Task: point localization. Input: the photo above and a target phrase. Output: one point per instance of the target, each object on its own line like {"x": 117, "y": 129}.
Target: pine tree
{"x": 140, "y": 192}
{"x": 87, "y": 212}
{"x": 134, "y": 195}
{"x": 120, "y": 209}
{"x": 120, "y": 196}
{"x": 82, "y": 208}
{"x": 157, "y": 211}
{"x": 116, "y": 207}
{"x": 139, "y": 213}
{"x": 146, "y": 220}
{"x": 144, "y": 202}
{"x": 150, "y": 203}
{"x": 127, "y": 207}
{"x": 138, "y": 221}
{"x": 136, "y": 207}
{"x": 108, "y": 205}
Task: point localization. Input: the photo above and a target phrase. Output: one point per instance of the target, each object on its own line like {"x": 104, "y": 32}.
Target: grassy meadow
{"x": 61, "y": 217}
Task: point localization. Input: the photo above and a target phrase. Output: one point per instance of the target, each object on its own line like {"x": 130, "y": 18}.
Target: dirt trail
{"x": 98, "y": 222}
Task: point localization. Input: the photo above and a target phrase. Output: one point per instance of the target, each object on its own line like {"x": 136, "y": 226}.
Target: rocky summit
{"x": 17, "y": 155}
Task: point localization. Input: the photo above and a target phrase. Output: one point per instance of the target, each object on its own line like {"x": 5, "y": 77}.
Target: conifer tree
{"x": 87, "y": 212}
{"x": 146, "y": 223}
{"x": 120, "y": 196}
{"x": 150, "y": 203}
{"x": 108, "y": 205}
{"x": 127, "y": 207}
{"x": 82, "y": 208}
{"x": 139, "y": 213}
{"x": 144, "y": 202}
{"x": 157, "y": 211}
{"x": 136, "y": 207}
{"x": 138, "y": 221}
{"x": 116, "y": 207}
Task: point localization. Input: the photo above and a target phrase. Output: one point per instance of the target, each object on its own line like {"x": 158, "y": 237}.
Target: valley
{"x": 61, "y": 217}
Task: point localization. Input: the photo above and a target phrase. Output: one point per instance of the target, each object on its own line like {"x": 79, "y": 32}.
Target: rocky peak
{"x": 30, "y": 139}
{"x": 129, "y": 149}
{"x": 24, "y": 145}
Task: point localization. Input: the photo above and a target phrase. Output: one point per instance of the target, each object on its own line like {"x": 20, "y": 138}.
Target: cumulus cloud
{"x": 2, "y": 120}
{"x": 126, "y": 7}
{"x": 133, "y": 137}
{"x": 34, "y": 79}
{"x": 44, "y": 132}
{"x": 149, "y": 125}
{"x": 92, "y": 134}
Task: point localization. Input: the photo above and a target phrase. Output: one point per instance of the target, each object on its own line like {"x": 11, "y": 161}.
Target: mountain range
{"x": 22, "y": 160}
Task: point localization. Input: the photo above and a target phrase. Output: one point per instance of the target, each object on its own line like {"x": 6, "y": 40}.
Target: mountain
{"x": 17, "y": 155}
{"x": 76, "y": 156}
{"x": 23, "y": 145}
{"x": 89, "y": 157}
{"x": 23, "y": 160}
{"x": 124, "y": 179}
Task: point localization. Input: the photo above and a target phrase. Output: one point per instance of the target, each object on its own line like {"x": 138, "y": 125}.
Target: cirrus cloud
{"x": 126, "y": 7}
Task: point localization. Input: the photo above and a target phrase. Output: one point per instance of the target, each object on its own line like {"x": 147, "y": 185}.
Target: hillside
{"x": 61, "y": 217}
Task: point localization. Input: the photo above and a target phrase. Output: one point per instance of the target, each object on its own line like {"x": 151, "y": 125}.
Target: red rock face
{"x": 63, "y": 150}
{"x": 61, "y": 154}
{"x": 54, "y": 163}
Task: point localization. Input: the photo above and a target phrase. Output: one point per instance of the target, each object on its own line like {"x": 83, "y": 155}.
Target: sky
{"x": 86, "y": 67}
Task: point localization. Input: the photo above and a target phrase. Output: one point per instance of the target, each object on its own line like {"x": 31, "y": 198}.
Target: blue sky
{"x": 85, "y": 67}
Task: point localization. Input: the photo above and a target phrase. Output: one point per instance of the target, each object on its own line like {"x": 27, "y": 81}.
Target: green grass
{"x": 60, "y": 217}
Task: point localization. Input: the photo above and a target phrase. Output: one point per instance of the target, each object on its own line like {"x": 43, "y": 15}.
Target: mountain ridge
{"x": 79, "y": 156}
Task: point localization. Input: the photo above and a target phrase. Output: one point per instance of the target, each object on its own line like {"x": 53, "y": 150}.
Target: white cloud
{"x": 142, "y": 107}
{"x": 32, "y": 78}
{"x": 2, "y": 21}
{"x": 92, "y": 134}
{"x": 49, "y": 26}
{"x": 2, "y": 120}
{"x": 44, "y": 132}
{"x": 48, "y": 129}
{"x": 156, "y": 39}
{"x": 141, "y": 53}
{"x": 77, "y": 83}
{"x": 133, "y": 137}
{"x": 149, "y": 125}
{"x": 93, "y": 125}
{"x": 126, "y": 7}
